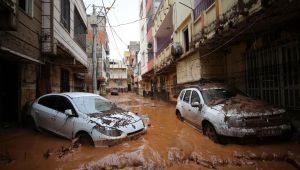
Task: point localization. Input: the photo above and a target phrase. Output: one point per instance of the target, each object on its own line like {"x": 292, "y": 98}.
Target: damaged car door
{"x": 195, "y": 110}
{"x": 185, "y": 104}
{"x": 44, "y": 112}
{"x": 63, "y": 121}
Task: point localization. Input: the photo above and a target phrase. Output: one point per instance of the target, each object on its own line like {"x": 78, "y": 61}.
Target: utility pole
{"x": 94, "y": 59}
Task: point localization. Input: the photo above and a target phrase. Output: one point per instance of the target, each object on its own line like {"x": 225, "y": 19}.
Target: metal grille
{"x": 273, "y": 74}
{"x": 263, "y": 121}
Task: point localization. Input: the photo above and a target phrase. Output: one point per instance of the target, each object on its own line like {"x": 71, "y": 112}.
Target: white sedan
{"x": 86, "y": 116}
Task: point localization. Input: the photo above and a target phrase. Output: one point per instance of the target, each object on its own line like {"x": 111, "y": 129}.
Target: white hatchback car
{"x": 221, "y": 111}
{"x": 90, "y": 117}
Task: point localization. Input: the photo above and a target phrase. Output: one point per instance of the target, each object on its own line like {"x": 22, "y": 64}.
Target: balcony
{"x": 164, "y": 8}
{"x": 202, "y": 6}
{"x": 164, "y": 61}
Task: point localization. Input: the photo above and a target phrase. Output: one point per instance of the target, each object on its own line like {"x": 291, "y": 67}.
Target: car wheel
{"x": 85, "y": 139}
{"x": 179, "y": 116}
{"x": 210, "y": 132}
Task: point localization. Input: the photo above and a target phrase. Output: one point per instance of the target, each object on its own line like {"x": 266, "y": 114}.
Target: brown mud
{"x": 168, "y": 144}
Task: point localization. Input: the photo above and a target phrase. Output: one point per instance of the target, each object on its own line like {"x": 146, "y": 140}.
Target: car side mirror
{"x": 69, "y": 112}
{"x": 197, "y": 104}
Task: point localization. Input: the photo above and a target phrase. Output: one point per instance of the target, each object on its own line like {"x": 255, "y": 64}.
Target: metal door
{"x": 273, "y": 74}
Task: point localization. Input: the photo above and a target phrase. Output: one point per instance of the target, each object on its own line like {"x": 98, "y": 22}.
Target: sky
{"x": 123, "y": 11}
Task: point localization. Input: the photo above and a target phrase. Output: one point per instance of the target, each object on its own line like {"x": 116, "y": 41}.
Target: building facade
{"x": 42, "y": 50}
{"x": 252, "y": 45}
{"x": 130, "y": 61}
{"x": 20, "y": 56}
{"x": 102, "y": 51}
{"x": 148, "y": 9}
{"x": 64, "y": 27}
{"x": 117, "y": 76}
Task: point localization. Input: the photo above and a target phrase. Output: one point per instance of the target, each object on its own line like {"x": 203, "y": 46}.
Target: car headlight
{"x": 234, "y": 121}
{"x": 109, "y": 131}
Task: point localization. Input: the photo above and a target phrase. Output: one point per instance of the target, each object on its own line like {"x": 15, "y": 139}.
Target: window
{"x": 181, "y": 95}
{"x": 63, "y": 104}
{"x": 186, "y": 39}
{"x": 48, "y": 101}
{"x": 195, "y": 97}
{"x": 65, "y": 13}
{"x": 79, "y": 30}
{"x": 27, "y": 6}
{"x": 187, "y": 96}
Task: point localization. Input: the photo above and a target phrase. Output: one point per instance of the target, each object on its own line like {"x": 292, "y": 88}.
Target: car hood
{"x": 119, "y": 119}
{"x": 245, "y": 106}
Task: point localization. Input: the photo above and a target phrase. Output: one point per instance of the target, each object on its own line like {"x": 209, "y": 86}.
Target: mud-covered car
{"x": 114, "y": 91}
{"x": 85, "y": 116}
{"x": 223, "y": 111}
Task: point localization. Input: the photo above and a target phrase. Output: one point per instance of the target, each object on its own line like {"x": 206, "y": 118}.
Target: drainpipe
{"x": 94, "y": 26}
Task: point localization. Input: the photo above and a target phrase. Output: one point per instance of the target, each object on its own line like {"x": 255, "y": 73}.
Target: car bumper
{"x": 116, "y": 140}
{"x": 258, "y": 132}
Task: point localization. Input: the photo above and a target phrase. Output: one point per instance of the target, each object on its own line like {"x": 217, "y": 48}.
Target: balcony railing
{"x": 164, "y": 58}
{"x": 202, "y": 6}
{"x": 162, "y": 46}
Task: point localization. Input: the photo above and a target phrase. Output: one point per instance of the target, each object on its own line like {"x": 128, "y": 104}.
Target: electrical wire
{"x": 115, "y": 42}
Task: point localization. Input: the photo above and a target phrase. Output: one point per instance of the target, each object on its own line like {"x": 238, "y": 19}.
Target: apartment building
{"x": 20, "y": 56}
{"x": 102, "y": 51}
{"x": 117, "y": 75}
{"x": 64, "y": 27}
{"x": 146, "y": 54}
{"x": 252, "y": 45}
{"x": 42, "y": 50}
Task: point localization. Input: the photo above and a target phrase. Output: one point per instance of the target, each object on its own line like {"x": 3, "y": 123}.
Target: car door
{"x": 186, "y": 105}
{"x": 195, "y": 112}
{"x": 64, "y": 124}
{"x": 45, "y": 111}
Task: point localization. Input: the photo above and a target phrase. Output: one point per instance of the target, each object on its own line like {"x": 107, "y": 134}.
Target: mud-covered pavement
{"x": 168, "y": 144}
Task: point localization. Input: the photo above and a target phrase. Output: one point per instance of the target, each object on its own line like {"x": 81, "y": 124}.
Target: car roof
{"x": 205, "y": 86}
{"x": 72, "y": 94}
{"x": 78, "y": 94}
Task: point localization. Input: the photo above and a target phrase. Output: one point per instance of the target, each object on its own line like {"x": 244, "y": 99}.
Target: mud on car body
{"x": 222, "y": 111}
{"x": 89, "y": 117}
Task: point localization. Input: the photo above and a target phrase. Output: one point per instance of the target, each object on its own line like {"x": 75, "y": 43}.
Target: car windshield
{"x": 217, "y": 96}
{"x": 92, "y": 104}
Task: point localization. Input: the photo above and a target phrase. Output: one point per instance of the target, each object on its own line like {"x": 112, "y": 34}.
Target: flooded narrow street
{"x": 168, "y": 144}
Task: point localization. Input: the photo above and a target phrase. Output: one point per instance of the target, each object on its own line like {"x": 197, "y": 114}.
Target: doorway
{"x": 9, "y": 89}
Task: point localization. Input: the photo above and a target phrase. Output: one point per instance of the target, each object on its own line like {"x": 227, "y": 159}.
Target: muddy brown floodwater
{"x": 168, "y": 144}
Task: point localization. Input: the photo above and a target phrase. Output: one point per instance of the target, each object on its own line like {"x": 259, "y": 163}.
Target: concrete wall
{"x": 235, "y": 66}
{"x": 188, "y": 70}
{"x": 112, "y": 83}
{"x": 28, "y": 84}
{"x": 181, "y": 12}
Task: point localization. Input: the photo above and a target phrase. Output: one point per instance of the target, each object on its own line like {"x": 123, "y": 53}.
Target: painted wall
{"x": 181, "y": 12}
{"x": 188, "y": 70}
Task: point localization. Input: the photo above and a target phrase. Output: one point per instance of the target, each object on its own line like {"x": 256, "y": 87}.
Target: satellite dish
{"x": 176, "y": 49}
